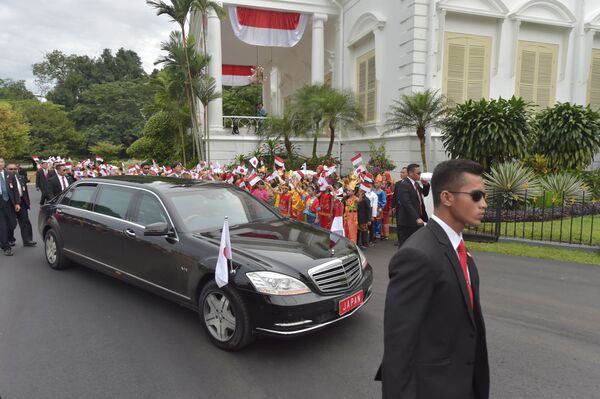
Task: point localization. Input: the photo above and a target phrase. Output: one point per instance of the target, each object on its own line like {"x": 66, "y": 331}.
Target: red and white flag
{"x": 359, "y": 171}
{"x": 300, "y": 174}
{"x": 356, "y": 160}
{"x": 272, "y": 176}
{"x": 35, "y": 159}
{"x": 279, "y": 161}
{"x": 323, "y": 183}
{"x": 267, "y": 28}
{"x": 365, "y": 186}
{"x": 99, "y": 159}
{"x": 366, "y": 177}
{"x": 330, "y": 171}
{"x": 254, "y": 162}
{"x": 253, "y": 179}
{"x": 222, "y": 267}
{"x": 237, "y": 75}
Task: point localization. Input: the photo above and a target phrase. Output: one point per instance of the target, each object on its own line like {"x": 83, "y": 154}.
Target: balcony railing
{"x": 243, "y": 125}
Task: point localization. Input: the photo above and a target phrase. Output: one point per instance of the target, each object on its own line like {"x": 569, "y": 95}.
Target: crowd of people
{"x": 359, "y": 206}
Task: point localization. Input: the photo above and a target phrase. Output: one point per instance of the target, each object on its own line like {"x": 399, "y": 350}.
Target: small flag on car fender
{"x": 222, "y": 267}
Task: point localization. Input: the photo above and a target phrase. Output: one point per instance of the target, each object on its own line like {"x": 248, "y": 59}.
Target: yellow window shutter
{"x": 544, "y": 92}
{"x": 362, "y": 84}
{"x": 527, "y": 75}
{"x": 536, "y": 66}
{"x": 371, "y": 105}
{"x": 594, "y": 81}
{"x": 466, "y": 67}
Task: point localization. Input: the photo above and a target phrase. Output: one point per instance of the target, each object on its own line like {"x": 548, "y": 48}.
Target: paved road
{"x": 79, "y": 334}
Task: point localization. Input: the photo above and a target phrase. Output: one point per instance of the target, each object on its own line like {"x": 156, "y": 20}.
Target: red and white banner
{"x": 266, "y": 27}
{"x": 279, "y": 161}
{"x": 356, "y": 160}
{"x": 237, "y": 75}
{"x": 253, "y": 179}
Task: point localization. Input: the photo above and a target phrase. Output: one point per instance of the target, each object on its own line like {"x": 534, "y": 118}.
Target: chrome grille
{"x": 337, "y": 275}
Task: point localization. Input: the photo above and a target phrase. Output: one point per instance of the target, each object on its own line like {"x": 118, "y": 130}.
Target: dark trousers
{"x": 363, "y": 238}
{"x": 404, "y": 232}
{"x": 44, "y": 197}
{"x": 24, "y": 226}
{"x": 7, "y": 223}
{"x": 372, "y": 228}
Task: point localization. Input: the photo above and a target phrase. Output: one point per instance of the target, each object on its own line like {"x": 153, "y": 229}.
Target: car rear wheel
{"x": 54, "y": 256}
{"x": 225, "y": 317}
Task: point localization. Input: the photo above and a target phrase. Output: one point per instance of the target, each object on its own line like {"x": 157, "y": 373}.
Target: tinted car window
{"x": 205, "y": 209}
{"x": 149, "y": 211}
{"x": 81, "y": 197}
{"x": 113, "y": 201}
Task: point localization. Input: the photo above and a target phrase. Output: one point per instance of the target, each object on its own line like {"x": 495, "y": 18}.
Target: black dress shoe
{"x": 8, "y": 252}
{"x": 30, "y": 244}
{"x": 12, "y": 243}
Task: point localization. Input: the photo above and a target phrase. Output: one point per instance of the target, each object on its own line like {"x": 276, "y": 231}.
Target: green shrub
{"x": 514, "y": 182}
{"x": 488, "y": 131}
{"x": 568, "y": 136}
{"x": 379, "y": 161}
{"x": 562, "y": 187}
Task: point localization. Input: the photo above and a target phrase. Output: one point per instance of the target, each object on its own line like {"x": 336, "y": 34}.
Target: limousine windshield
{"x": 204, "y": 209}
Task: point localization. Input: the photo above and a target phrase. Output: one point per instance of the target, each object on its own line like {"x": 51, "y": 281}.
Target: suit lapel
{"x": 455, "y": 264}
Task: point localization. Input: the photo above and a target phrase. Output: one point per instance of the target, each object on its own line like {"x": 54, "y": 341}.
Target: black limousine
{"x": 163, "y": 234}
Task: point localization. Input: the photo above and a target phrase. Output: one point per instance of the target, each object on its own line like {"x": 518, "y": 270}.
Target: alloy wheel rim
{"x": 51, "y": 249}
{"x": 219, "y": 317}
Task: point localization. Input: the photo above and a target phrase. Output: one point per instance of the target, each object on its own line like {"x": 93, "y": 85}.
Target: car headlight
{"x": 276, "y": 284}
{"x": 363, "y": 259}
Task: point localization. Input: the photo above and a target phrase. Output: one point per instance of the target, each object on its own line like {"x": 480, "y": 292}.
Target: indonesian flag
{"x": 230, "y": 179}
{"x": 356, "y": 160}
{"x": 253, "y": 179}
{"x": 330, "y": 171}
{"x": 279, "y": 161}
{"x": 35, "y": 159}
{"x": 267, "y": 28}
{"x": 359, "y": 171}
{"x": 242, "y": 184}
{"x": 300, "y": 174}
{"x": 254, "y": 162}
{"x": 237, "y": 75}
{"x": 272, "y": 176}
{"x": 365, "y": 186}
{"x": 99, "y": 159}
{"x": 222, "y": 267}
{"x": 366, "y": 177}
{"x": 132, "y": 169}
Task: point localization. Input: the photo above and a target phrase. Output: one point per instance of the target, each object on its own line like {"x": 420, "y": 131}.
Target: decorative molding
{"x": 367, "y": 23}
{"x": 594, "y": 22}
{"x": 488, "y": 8}
{"x": 562, "y": 16}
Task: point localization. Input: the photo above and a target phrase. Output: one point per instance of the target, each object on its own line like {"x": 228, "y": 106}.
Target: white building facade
{"x": 543, "y": 50}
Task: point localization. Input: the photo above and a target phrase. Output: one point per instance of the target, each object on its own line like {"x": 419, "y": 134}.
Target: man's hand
{"x": 17, "y": 208}
{"x": 420, "y": 222}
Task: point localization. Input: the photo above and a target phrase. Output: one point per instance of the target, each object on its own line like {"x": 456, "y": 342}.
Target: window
{"x": 367, "y": 86}
{"x": 81, "y": 197}
{"x": 466, "y": 67}
{"x": 536, "y": 72}
{"x": 593, "y": 97}
{"x": 113, "y": 201}
{"x": 205, "y": 209}
{"x": 149, "y": 211}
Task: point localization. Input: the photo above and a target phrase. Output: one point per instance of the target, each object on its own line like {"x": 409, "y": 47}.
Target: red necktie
{"x": 462, "y": 256}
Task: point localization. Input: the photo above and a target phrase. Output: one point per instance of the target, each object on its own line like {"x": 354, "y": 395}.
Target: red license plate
{"x": 352, "y": 302}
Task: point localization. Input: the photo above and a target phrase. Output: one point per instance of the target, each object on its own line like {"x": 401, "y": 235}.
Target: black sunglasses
{"x": 476, "y": 195}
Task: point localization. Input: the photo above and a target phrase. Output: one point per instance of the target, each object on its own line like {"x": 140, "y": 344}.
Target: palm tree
{"x": 306, "y": 102}
{"x": 289, "y": 125}
{"x": 339, "y": 108}
{"x": 418, "y": 111}
{"x": 206, "y": 91}
{"x": 203, "y": 7}
{"x": 186, "y": 65}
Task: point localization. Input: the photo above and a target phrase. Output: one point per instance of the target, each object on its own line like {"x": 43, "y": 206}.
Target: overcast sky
{"x": 31, "y": 28}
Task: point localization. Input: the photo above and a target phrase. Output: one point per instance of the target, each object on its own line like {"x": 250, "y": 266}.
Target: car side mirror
{"x": 157, "y": 229}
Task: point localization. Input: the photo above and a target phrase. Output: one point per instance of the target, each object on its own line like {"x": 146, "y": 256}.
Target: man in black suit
{"x": 23, "y": 213}
{"x": 59, "y": 182}
{"x": 409, "y": 203}
{"x": 434, "y": 333}
{"x": 41, "y": 181}
{"x": 9, "y": 204}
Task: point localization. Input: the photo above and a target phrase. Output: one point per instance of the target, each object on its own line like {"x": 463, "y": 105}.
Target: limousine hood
{"x": 283, "y": 244}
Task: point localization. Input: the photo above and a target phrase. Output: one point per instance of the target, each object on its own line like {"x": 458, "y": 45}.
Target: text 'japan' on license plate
{"x": 352, "y": 302}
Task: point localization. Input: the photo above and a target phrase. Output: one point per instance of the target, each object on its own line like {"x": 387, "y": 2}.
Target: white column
{"x": 213, "y": 47}
{"x": 318, "y": 48}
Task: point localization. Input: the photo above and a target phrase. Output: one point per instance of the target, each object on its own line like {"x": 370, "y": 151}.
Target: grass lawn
{"x": 551, "y": 230}
{"x": 532, "y": 251}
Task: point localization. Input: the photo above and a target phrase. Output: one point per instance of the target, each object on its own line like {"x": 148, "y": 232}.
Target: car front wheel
{"x": 225, "y": 317}
{"x": 54, "y": 256}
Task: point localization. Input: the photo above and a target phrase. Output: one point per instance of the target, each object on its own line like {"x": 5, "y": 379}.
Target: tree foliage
{"x": 63, "y": 78}
{"x": 14, "y": 132}
{"x": 14, "y": 90}
{"x": 158, "y": 140}
{"x": 113, "y": 112}
{"x": 568, "y": 136}
{"x": 488, "y": 131}
{"x": 107, "y": 150}
{"x": 379, "y": 161}
{"x": 51, "y": 131}
{"x": 241, "y": 101}
{"x": 419, "y": 112}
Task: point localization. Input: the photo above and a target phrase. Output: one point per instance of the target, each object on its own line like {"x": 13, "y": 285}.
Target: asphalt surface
{"x": 79, "y": 334}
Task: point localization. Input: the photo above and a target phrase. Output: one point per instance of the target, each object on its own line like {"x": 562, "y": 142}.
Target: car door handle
{"x": 129, "y": 233}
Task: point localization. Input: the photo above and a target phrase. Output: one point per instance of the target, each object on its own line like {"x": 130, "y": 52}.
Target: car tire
{"x": 216, "y": 307}
{"x": 53, "y": 252}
